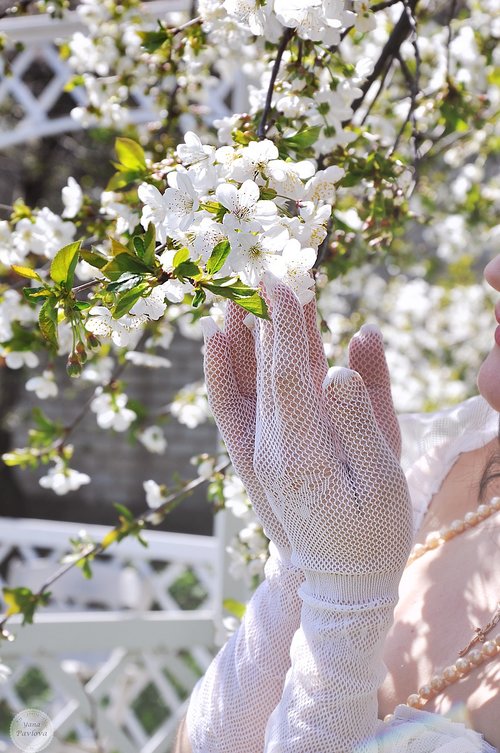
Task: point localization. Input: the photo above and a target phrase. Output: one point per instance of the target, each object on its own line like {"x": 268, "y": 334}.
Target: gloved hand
{"x": 333, "y": 480}
{"x": 330, "y": 476}
{"x": 231, "y": 378}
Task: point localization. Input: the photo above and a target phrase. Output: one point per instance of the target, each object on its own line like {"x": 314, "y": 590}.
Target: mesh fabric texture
{"x": 320, "y": 462}
{"x": 333, "y": 480}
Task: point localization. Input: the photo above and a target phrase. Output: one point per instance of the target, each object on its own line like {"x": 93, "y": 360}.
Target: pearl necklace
{"x": 468, "y": 658}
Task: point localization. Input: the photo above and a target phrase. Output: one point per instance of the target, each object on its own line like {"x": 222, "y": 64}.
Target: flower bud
{"x": 93, "y": 342}
{"x": 73, "y": 366}
{"x": 82, "y": 353}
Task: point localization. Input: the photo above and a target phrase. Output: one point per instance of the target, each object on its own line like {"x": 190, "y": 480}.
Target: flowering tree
{"x": 362, "y": 169}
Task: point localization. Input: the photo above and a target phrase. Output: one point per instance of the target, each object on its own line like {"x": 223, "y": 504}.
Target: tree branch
{"x": 398, "y": 35}
{"x": 287, "y": 35}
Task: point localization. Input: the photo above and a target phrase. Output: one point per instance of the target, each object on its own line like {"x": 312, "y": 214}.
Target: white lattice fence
{"x": 26, "y": 113}
{"x": 121, "y": 674}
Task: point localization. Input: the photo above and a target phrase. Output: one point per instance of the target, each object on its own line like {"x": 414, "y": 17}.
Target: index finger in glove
{"x": 367, "y": 357}
{"x": 242, "y": 349}
{"x": 293, "y": 386}
{"x": 224, "y": 396}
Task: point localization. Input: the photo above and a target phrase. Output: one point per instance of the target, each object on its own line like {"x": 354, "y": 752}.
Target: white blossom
{"x": 153, "y": 439}
{"x": 43, "y": 386}
{"x": 246, "y": 209}
{"x": 181, "y": 201}
{"x": 50, "y": 233}
{"x": 20, "y": 358}
{"x": 122, "y": 331}
{"x": 62, "y": 479}
{"x": 148, "y": 360}
{"x": 72, "y": 198}
{"x": 190, "y": 406}
{"x": 293, "y": 269}
{"x": 112, "y": 412}
{"x": 155, "y": 494}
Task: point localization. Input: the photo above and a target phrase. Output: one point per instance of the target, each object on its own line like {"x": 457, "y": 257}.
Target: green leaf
{"x": 187, "y": 269}
{"x": 304, "y": 138}
{"x": 126, "y": 281}
{"x": 153, "y": 40}
{"x": 119, "y": 248}
{"x": 218, "y": 257}
{"x": 181, "y": 256}
{"x": 123, "y": 179}
{"x": 34, "y": 294}
{"x": 124, "y": 263}
{"x": 236, "y": 608}
{"x": 22, "y": 600}
{"x": 62, "y": 269}
{"x": 255, "y": 304}
{"x": 93, "y": 258}
{"x": 139, "y": 246}
{"x": 199, "y": 297}
{"x": 127, "y": 299}
{"x": 26, "y": 272}
{"x": 246, "y": 297}
{"x": 130, "y": 153}
{"x": 150, "y": 245}
{"x": 47, "y": 321}
{"x": 127, "y": 514}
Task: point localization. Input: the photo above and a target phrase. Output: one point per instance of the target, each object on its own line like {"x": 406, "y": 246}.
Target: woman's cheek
{"x": 488, "y": 379}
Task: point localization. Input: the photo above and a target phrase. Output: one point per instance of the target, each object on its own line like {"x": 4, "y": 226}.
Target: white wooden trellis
{"x": 98, "y": 664}
{"x": 38, "y": 35}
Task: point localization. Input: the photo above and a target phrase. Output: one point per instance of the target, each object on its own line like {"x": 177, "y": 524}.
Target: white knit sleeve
{"x": 416, "y": 731}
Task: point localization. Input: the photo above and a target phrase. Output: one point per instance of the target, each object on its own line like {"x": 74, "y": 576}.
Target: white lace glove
{"x": 231, "y": 704}
{"x": 336, "y": 486}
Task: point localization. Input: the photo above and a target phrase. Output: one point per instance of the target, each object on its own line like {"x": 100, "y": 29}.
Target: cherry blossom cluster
{"x": 219, "y": 195}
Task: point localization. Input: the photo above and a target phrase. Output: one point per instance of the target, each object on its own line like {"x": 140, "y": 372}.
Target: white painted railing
{"x": 39, "y": 35}
{"x": 120, "y": 675}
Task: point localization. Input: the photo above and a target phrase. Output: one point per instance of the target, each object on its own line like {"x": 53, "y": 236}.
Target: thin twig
{"x": 391, "y": 47}
{"x": 414, "y": 85}
{"x": 148, "y": 516}
{"x": 287, "y": 35}
{"x": 453, "y": 7}
{"x": 380, "y": 89}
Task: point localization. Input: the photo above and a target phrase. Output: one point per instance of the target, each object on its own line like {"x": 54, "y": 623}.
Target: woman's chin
{"x": 488, "y": 379}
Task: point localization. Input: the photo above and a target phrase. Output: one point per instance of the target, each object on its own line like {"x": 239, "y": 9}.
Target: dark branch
{"x": 398, "y": 35}
{"x": 287, "y": 35}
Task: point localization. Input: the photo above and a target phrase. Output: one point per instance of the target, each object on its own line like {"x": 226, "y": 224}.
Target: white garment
{"x": 432, "y": 443}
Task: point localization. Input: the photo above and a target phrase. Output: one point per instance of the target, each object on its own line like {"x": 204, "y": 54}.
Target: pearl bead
{"x": 437, "y": 683}
{"x": 450, "y": 674}
{"x": 447, "y": 533}
{"x": 388, "y": 718}
{"x": 413, "y": 700}
{"x": 426, "y": 692}
{"x": 495, "y": 503}
{"x": 476, "y": 656}
{"x": 490, "y": 648}
{"x": 471, "y": 519}
{"x": 463, "y": 665}
{"x": 457, "y": 526}
{"x": 418, "y": 550}
{"x": 433, "y": 540}
{"x": 484, "y": 511}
